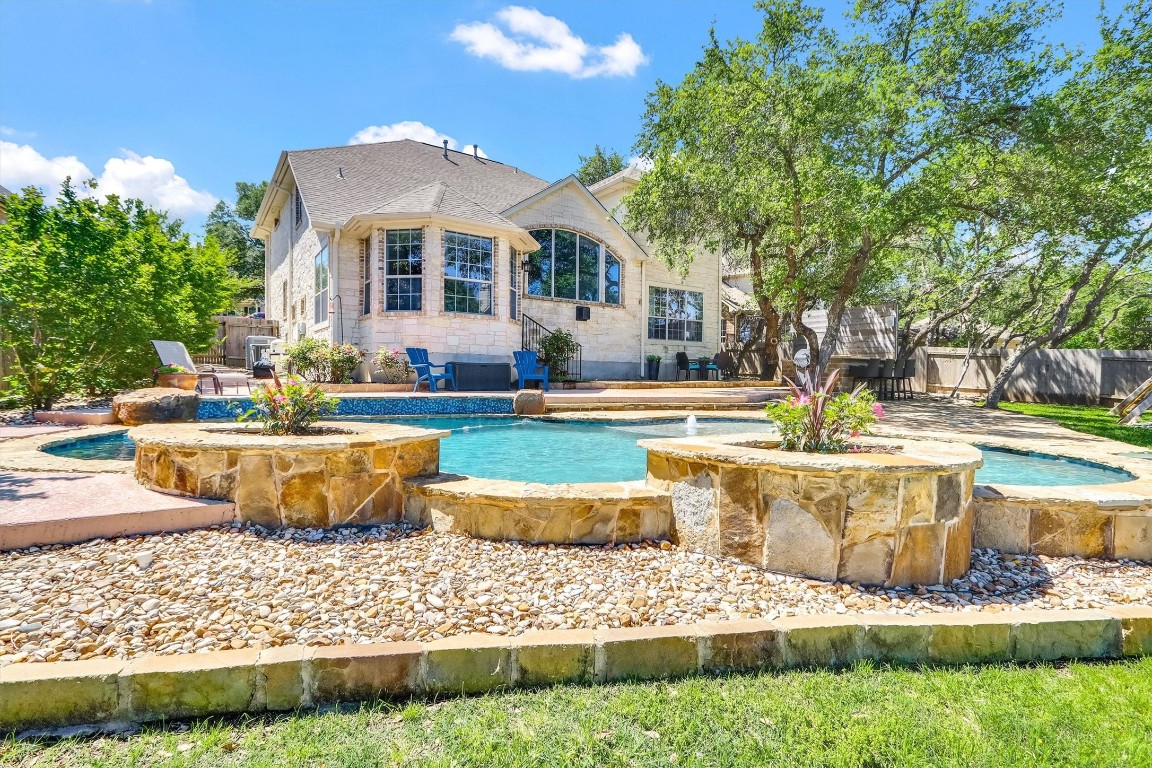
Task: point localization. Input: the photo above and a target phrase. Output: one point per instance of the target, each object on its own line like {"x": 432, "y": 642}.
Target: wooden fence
{"x": 231, "y": 333}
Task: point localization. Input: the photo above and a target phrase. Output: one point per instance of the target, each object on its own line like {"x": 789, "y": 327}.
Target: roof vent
{"x": 445, "y": 149}
{"x": 340, "y": 172}
{"x": 476, "y": 151}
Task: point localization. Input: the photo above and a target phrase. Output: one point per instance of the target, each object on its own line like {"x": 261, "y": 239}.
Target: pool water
{"x": 112, "y": 446}
{"x": 584, "y": 452}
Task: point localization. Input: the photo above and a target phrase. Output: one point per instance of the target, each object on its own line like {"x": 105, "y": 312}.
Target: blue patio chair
{"x": 714, "y": 366}
{"x": 418, "y": 357}
{"x": 528, "y": 369}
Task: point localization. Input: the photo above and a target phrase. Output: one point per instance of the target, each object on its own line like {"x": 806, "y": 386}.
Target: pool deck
{"x": 77, "y": 499}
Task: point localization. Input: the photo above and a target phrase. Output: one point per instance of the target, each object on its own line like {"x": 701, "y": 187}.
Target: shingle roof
{"x": 4, "y": 191}
{"x": 402, "y": 174}
{"x": 441, "y": 198}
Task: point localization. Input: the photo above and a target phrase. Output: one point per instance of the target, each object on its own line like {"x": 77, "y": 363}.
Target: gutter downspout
{"x": 334, "y": 276}
{"x": 643, "y": 324}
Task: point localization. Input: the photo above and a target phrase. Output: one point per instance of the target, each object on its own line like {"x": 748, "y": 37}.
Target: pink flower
{"x": 805, "y": 400}
{"x": 878, "y": 410}
{"x": 281, "y": 398}
{"x": 856, "y": 433}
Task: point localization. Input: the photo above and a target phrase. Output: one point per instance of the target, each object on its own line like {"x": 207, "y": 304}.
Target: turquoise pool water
{"x": 583, "y": 452}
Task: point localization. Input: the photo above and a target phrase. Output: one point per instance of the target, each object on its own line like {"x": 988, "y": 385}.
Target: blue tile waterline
{"x": 228, "y": 408}
{"x": 583, "y": 452}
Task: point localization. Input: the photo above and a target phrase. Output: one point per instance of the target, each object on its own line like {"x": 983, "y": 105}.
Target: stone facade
{"x": 155, "y": 405}
{"x": 1062, "y": 527}
{"x": 298, "y": 481}
{"x": 876, "y": 518}
{"x": 505, "y": 510}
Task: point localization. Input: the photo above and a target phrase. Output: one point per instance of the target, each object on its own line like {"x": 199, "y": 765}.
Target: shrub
{"x": 555, "y": 349}
{"x": 172, "y": 368}
{"x": 818, "y": 421}
{"x": 288, "y": 407}
{"x": 393, "y": 363}
{"x": 320, "y": 361}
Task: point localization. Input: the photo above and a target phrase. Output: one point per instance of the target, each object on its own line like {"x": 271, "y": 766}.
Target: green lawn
{"x": 1080, "y": 715}
{"x": 1085, "y": 418}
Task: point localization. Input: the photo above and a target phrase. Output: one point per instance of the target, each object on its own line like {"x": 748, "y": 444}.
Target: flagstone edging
{"x": 155, "y": 687}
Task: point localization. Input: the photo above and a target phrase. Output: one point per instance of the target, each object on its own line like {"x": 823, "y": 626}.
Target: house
{"x": 4, "y": 195}
{"x": 402, "y": 243}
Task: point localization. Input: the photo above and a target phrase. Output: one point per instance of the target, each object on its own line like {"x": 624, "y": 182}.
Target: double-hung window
{"x": 323, "y": 280}
{"x": 675, "y": 314}
{"x": 467, "y": 273}
{"x": 366, "y": 276}
{"x": 403, "y": 270}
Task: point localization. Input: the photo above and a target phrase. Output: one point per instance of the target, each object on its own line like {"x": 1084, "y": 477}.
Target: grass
{"x": 1076, "y": 715}
{"x": 1092, "y": 420}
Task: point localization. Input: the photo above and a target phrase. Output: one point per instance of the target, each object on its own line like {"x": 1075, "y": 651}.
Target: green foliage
{"x": 652, "y": 358}
{"x": 555, "y": 349}
{"x": 393, "y": 363}
{"x": 230, "y": 226}
{"x": 172, "y": 368}
{"x": 811, "y": 157}
{"x": 318, "y": 360}
{"x": 816, "y": 420}
{"x": 288, "y": 407}
{"x": 599, "y": 165}
{"x": 86, "y": 284}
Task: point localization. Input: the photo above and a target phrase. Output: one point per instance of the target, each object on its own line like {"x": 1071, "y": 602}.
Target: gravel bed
{"x": 244, "y": 586}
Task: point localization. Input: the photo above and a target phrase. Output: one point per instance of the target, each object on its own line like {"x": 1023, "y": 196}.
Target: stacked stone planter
{"x": 309, "y": 481}
{"x": 893, "y": 519}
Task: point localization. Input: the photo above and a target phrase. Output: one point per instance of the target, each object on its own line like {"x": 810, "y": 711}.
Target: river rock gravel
{"x": 244, "y": 586}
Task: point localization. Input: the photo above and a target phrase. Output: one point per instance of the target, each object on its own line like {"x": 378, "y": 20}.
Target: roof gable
{"x": 440, "y": 198}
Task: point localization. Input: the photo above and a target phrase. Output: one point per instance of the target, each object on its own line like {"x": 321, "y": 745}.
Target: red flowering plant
{"x": 816, "y": 420}
{"x": 288, "y": 407}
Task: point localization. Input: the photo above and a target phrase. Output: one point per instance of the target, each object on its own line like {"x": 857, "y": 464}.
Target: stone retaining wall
{"x": 226, "y": 682}
{"x": 299, "y": 481}
{"x": 504, "y": 510}
{"x": 1062, "y": 527}
{"x": 894, "y": 519}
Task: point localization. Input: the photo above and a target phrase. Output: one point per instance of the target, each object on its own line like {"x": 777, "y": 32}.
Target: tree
{"x": 1088, "y": 160}
{"x": 85, "y": 285}
{"x": 230, "y": 226}
{"x": 813, "y": 159}
{"x": 599, "y": 165}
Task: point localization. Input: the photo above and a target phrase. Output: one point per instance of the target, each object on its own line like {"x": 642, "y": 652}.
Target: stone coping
{"x": 56, "y": 694}
{"x": 223, "y": 437}
{"x": 467, "y": 487}
{"x": 24, "y": 454}
{"x": 739, "y": 450}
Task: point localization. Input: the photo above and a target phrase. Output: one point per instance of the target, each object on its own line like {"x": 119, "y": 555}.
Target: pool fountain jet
{"x": 690, "y": 424}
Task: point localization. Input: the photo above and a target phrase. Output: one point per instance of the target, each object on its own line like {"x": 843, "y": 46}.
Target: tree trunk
{"x": 996, "y": 391}
{"x": 963, "y": 372}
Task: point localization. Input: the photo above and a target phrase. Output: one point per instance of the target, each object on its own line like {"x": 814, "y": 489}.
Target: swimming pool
{"x": 530, "y": 450}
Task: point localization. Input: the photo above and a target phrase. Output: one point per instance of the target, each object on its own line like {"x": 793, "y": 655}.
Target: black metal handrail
{"x": 532, "y": 333}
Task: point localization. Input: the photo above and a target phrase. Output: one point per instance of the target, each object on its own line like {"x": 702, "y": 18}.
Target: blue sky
{"x": 174, "y": 100}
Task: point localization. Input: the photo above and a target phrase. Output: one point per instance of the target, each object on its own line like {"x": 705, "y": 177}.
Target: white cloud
{"x": 640, "y": 163}
{"x": 540, "y": 43}
{"x": 408, "y": 129}
{"x": 152, "y": 179}
{"x": 7, "y": 130}
{"x": 21, "y": 166}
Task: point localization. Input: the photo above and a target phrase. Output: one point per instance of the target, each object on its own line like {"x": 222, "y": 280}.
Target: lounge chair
{"x": 418, "y": 358}
{"x": 528, "y": 369}
{"x": 175, "y": 353}
{"x": 685, "y": 366}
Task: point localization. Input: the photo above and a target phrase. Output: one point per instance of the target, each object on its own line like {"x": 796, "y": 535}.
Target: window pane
{"x": 467, "y": 273}
{"x": 675, "y": 314}
{"x": 540, "y": 264}
{"x": 611, "y": 278}
{"x": 403, "y": 263}
{"x": 589, "y": 284}
{"x": 564, "y": 279}
{"x": 694, "y": 331}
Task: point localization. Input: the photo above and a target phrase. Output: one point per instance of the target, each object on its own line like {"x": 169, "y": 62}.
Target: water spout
{"x": 690, "y": 424}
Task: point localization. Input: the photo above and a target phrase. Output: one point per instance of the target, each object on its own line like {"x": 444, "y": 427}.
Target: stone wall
{"x": 502, "y": 510}
{"x": 894, "y": 520}
{"x": 297, "y": 481}
{"x": 1062, "y": 527}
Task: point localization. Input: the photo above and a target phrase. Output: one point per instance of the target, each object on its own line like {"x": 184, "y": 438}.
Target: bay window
{"x": 403, "y": 270}
{"x": 467, "y": 273}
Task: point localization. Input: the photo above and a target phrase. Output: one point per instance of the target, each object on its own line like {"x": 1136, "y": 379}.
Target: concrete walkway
{"x": 9, "y": 431}
{"x": 38, "y": 507}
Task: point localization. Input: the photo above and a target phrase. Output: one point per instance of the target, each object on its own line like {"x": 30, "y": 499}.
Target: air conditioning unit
{"x": 301, "y": 329}
{"x": 256, "y": 348}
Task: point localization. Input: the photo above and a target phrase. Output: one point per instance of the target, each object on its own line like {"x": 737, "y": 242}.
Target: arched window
{"x": 569, "y": 265}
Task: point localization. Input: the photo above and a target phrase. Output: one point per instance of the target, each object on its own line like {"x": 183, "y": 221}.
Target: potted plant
{"x": 652, "y": 363}
{"x": 393, "y": 364}
{"x": 175, "y": 376}
{"x": 288, "y": 407}
{"x": 556, "y": 349}
{"x": 816, "y": 420}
